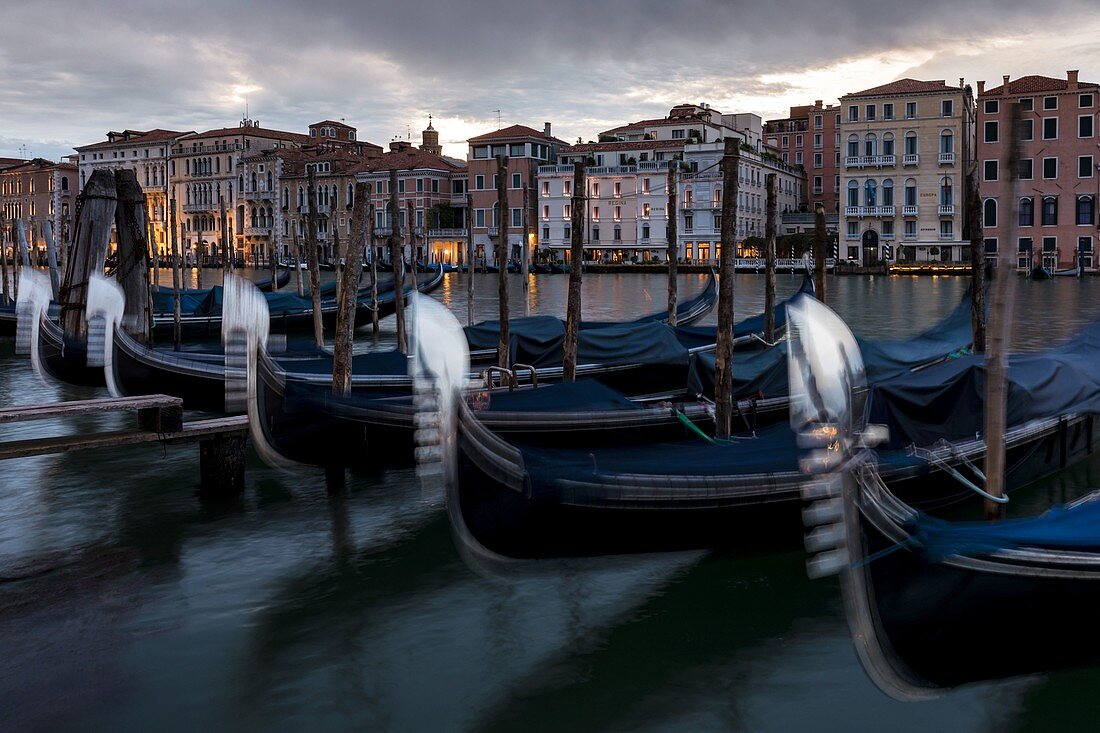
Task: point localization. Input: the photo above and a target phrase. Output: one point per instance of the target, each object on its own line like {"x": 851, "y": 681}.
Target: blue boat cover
{"x": 696, "y": 336}
{"x": 584, "y": 395}
{"x": 536, "y": 340}
{"x": 1075, "y": 528}
{"x": 946, "y": 401}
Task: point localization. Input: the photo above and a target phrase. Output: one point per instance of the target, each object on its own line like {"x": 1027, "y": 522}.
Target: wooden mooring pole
{"x": 4, "y": 233}
{"x": 525, "y": 255}
{"x": 133, "y": 256}
{"x": 349, "y": 291}
{"x": 769, "y": 258}
{"x": 672, "y": 248}
{"x": 820, "y": 253}
{"x": 999, "y": 328}
{"x": 97, "y": 203}
{"x": 311, "y": 258}
{"x": 373, "y": 264}
{"x": 503, "y": 350}
{"x": 398, "y": 265}
{"x": 723, "y": 356}
{"x": 469, "y": 259}
{"x": 576, "y": 256}
{"x": 177, "y": 275}
{"x": 51, "y": 257}
{"x": 977, "y": 257}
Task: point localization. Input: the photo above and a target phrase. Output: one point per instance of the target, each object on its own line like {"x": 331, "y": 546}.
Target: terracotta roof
{"x": 9, "y": 162}
{"x": 332, "y": 122}
{"x": 251, "y": 132}
{"x": 686, "y": 119}
{"x": 35, "y": 164}
{"x": 136, "y": 137}
{"x": 1035, "y": 84}
{"x": 905, "y": 86}
{"x": 411, "y": 159}
{"x": 515, "y": 131}
{"x": 622, "y": 145}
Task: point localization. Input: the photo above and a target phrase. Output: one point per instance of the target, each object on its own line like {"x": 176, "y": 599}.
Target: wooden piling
{"x": 133, "y": 256}
{"x": 177, "y": 275}
{"x": 96, "y": 207}
{"x": 672, "y": 247}
{"x": 221, "y": 465}
{"x": 469, "y": 259}
{"x": 4, "y": 261}
{"x": 771, "y": 180}
{"x": 373, "y": 264}
{"x": 998, "y": 328}
{"x": 503, "y": 347}
{"x": 576, "y": 256}
{"x": 413, "y": 259}
{"x": 723, "y": 356}
{"x": 398, "y": 265}
{"x": 311, "y": 258}
{"x": 820, "y": 253}
{"x": 24, "y": 258}
{"x": 524, "y": 249}
{"x": 349, "y": 292}
{"x": 977, "y": 258}
{"x": 227, "y": 253}
{"x": 51, "y": 257}
{"x": 297, "y": 261}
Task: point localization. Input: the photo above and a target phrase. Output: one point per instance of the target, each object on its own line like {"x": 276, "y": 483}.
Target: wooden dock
{"x": 159, "y": 419}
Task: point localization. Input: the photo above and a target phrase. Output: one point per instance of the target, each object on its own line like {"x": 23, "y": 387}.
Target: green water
{"x": 126, "y": 603}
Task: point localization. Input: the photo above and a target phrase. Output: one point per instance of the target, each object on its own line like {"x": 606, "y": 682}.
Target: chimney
{"x": 1071, "y": 77}
{"x": 1004, "y": 83}
{"x": 546, "y": 129}
{"x": 981, "y": 88}
{"x": 817, "y": 103}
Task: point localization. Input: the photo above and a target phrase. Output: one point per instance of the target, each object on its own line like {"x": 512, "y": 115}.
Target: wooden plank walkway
{"x": 159, "y": 420}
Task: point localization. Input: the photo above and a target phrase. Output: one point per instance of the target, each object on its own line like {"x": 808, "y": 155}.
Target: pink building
{"x": 810, "y": 138}
{"x": 1058, "y": 186}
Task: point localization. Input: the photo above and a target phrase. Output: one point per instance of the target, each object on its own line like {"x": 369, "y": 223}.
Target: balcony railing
{"x": 447, "y": 233}
{"x": 259, "y": 195}
{"x": 946, "y": 209}
{"x": 861, "y": 161}
{"x": 909, "y": 210}
{"x": 653, "y": 165}
{"x": 555, "y": 169}
{"x": 910, "y": 159}
{"x": 197, "y": 208}
{"x": 613, "y": 170}
{"x": 947, "y": 158}
{"x": 868, "y": 211}
{"x": 257, "y": 231}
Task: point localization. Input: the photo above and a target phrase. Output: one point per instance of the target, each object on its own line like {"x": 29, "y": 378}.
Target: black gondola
{"x": 8, "y": 318}
{"x": 559, "y": 268}
{"x": 1039, "y": 273}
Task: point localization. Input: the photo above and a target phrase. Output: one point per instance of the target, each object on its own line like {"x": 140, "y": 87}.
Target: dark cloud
{"x": 89, "y": 67}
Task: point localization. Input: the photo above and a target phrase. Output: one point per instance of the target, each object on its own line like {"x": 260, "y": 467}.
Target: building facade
{"x": 34, "y": 192}
{"x": 904, "y": 150}
{"x": 809, "y": 138}
{"x": 1059, "y": 185}
{"x": 146, "y": 153}
{"x": 524, "y": 150}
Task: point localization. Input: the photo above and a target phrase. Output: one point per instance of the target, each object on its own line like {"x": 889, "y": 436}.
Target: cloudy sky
{"x": 73, "y": 69}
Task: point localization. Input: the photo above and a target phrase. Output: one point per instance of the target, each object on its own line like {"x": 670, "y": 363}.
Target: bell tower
{"x": 430, "y": 140}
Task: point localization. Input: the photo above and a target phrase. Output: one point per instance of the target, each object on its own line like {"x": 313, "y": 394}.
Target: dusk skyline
{"x": 115, "y": 65}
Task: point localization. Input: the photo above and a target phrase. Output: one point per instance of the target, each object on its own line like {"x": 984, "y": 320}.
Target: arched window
{"x": 853, "y": 193}
{"x": 253, "y": 181}
{"x": 269, "y": 181}
{"x": 888, "y": 192}
{"x": 301, "y": 199}
{"x": 853, "y": 145}
{"x": 910, "y": 143}
{"x": 947, "y": 192}
{"x": 349, "y": 198}
{"x": 888, "y": 144}
{"x": 1050, "y": 211}
{"x": 947, "y": 142}
{"x": 910, "y": 192}
{"x": 870, "y": 144}
{"x": 1027, "y": 212}
{"x": 989, "y": 213}
{"x": 64, "y": 183}
{"x": 286, "y": 197}
{"x": 254, "y": 218}
{"x": 1086, "y": 209}
{"x": 872, "y": 193}
{"x": 240, "y": 182}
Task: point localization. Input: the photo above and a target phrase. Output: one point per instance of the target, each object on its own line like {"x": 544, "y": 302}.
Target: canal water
{"x": 126, "y": 604}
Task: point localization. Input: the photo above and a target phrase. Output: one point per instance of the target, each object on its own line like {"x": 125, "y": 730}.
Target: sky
{"x": 74, "y": 69}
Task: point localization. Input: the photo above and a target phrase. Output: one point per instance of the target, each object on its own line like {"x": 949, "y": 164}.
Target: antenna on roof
{"x": 498, "y": 117}
{"x": 23, "y": 151}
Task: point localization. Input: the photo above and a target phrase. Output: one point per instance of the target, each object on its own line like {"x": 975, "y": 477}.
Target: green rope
{"x": 698, "y": 431}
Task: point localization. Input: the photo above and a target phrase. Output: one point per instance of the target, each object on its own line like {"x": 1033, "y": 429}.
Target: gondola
{"x": 292, "y": 314}
{"x": 1039, "y": 273}
{"x": 525, "y": 498}
{"x": 8, "y": 318}
{"x": 933, "y": 604}
{"x": 1068, "y": 272}
{"x": 538, "y": 268}
{"x": 559, "y": 268}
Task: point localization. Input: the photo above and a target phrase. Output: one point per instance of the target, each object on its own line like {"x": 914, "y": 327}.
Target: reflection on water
{"x": 127, "y": 604}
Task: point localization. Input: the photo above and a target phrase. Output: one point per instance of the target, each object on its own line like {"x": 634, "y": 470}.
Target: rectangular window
{"x": 645, "y": 185}
{"x": 479, "y": 183}
{"x": 888, "y": 111}
{"x": 991, "y": 131}
{"x": 595, "y": 213}
{"x": 870, "y": 112}
{"x": 1050, "y": 168}
{"x": 517, "y": 151}
{"x": 1084, "y": 101}
{"x": 546, "y": 233}
{"x": 1027, "y": 104}
{"x": 1027, "y": 169}
{"x": 1084, "y": 126}
{"x": 645, "y": 211}
{"x": 1050, "y": 244}
{"x": 911, "y": 228}
{"x": 853, "y": 113}
{"x": 853, "y": 229}
{"x": 798, "y": 141}
{"x": 1086, "y": 211}
{"x": 401, "y": 186}
{"x": 479, "y": 217}
{"x": 1050, "y": 102}
{"x": 517, "y": 217}
{"x": 818, "y": 160}
{"x": 419, "y": 185}
{"x": 567, "y": 188}
{"x": 947, "y": 107}
{"x": 1084, "y": 166}
{"x": 435, "y": 185}
{"x": 990, "y": 173}
{"x": 992, "y": 106}
{"x": 516, "y": 181}
{"x": 618, "y": 213}
{"x": 888, "y": 228}
{"x": 1050, "y": 211}
{"x": 1027, "y": 130}
{"x": 1050, "y": 128}
{"x": 817, "y": 139}
{"x": 798, "y": 157}
{"x": 677, "y": 134}
{"x": 496, "y": 181}
{"x": 786, "y": 141}
{"x": 818, "y": 121}
{"x": 481, "y": 152}
{"x": 546, "y": 211}
{"x": 689, "y": 222}
{"x": 991, "y": 246}
{"x": 910, "y": 110}
{"x": 567, "y": 211}
{"x": 618, "y": 189}
{"x": 947, "y": 229}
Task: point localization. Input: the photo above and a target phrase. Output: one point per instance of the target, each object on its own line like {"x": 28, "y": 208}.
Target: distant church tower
{"x": 430, "y": 140}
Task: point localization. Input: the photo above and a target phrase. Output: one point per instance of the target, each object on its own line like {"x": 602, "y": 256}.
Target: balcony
{"x": 555, "y": 169}
{"x": 862, "y": 211}
{"x": 947, "y": 159}
{"x": 946, "y": 209}
{"x": 257, "y": 231}
{"x": 197, "y": 208}
{"x": 653, "y": 165}
{"x": 863, "y": 161}
{"x": 612, "y": 170}
{"x": 910, "y": 159}
{"x": 447, "y": 233}
{"x": 259, "y": 195}
{"x": 909, "y": 210}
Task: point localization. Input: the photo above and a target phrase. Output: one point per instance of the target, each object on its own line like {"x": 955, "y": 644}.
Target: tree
{"x": 794, "y": 245}
{"x": 752, "y": 246}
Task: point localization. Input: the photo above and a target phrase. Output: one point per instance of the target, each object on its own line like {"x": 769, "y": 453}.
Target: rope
{"x": 699, "y": 432}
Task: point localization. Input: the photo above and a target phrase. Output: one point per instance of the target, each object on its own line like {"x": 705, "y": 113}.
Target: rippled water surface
{"x": 126, "y": 603}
